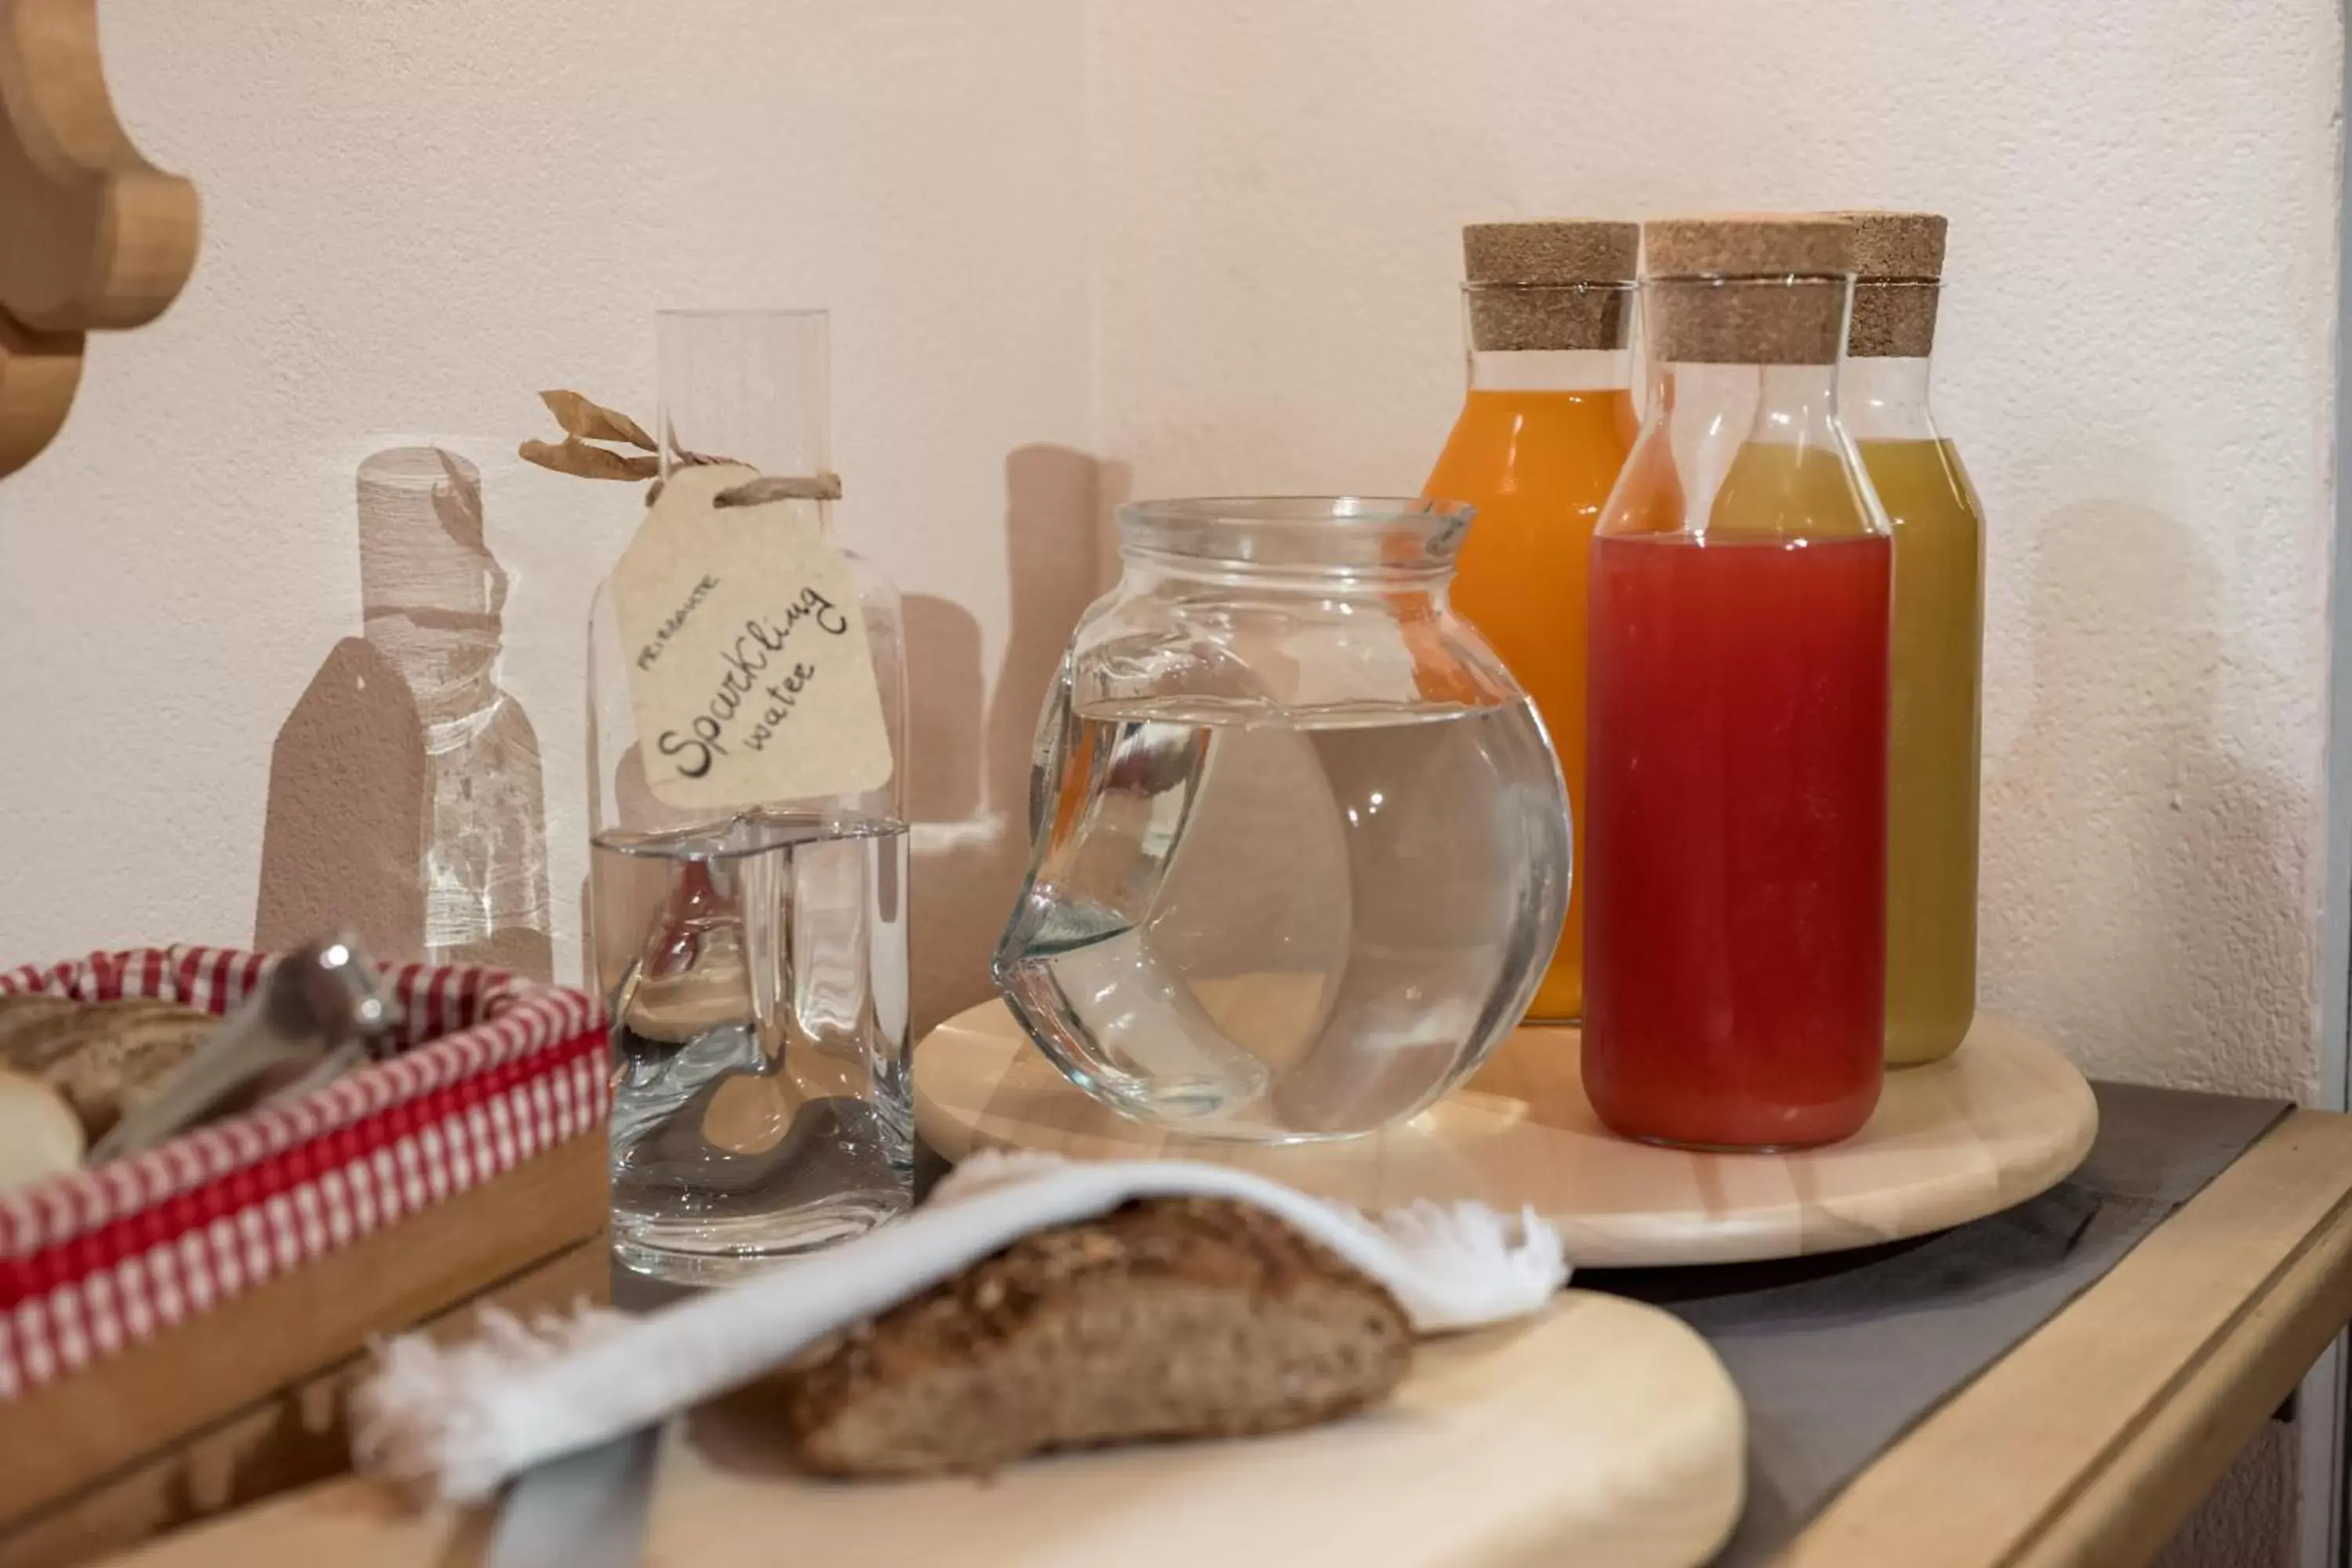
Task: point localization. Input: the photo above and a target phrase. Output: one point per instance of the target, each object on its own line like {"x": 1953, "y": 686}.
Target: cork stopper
{"x": 1561, "y": 250}
{"x": 1749, "y": 288}
{"x": 1898, "y": 259}
{"x": 1749, "y": 244}
{"x": 1897, "y": 245}
{"x": 1558, "y": 284}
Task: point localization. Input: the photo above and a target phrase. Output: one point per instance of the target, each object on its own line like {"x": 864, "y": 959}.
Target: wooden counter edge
{"x": 2089, "y": 1443}
{"x": 293, "y": 1438}
{"x": 150, "y": 1396}
{"x": 2092, "y": 1440}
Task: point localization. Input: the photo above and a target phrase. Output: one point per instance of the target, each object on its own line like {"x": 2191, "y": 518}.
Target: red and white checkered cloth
{"x": 489, "y": 1070}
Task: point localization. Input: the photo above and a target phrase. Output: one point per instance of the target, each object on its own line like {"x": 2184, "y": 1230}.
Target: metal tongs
{"x": 319, "y": 1013}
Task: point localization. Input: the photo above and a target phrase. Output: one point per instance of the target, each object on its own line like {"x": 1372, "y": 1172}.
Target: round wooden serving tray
{"x": 2004, "y": 1119}
{"x": 1601, "y": 1431}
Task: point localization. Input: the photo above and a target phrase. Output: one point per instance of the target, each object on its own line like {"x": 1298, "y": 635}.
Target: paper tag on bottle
{"x": 750, "y": 672}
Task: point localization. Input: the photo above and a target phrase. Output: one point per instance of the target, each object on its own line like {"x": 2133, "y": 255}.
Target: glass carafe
{"x": 1301, "y": 846}
{"x": 752, "y": 955}
{"x": 1938, "y": 638}
{"x": 1539, "y": 444}
{"x": 1736, "y": 847}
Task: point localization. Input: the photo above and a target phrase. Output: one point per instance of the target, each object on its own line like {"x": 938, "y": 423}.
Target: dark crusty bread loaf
{"x": 1166, "y": 1318}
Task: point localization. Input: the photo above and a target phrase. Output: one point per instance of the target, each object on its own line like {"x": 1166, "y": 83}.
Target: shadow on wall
{"x": 968, "y": 784}
{"x": 2137, "y": 872}
{"x": 404, "y": 793}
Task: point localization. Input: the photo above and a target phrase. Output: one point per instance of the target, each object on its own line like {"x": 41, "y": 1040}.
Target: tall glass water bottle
{"x": 1937, "y": 648}
{"x": 1548, "y": 312}
{"x": 1736, "y": 851}
{"x": 748, "y": 885}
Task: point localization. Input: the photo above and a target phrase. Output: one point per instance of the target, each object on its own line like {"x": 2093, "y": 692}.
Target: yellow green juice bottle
{"x": 1937, "y": 643}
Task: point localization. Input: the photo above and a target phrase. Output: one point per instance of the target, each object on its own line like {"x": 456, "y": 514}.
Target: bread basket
{"x": 176, "y": 1328}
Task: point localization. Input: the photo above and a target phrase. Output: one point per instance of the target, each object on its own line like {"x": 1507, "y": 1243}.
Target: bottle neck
{"x": 1742, "y": 451}
{"x": 816, "y": 514}
{"x": 450, "y": 663}
{"x": 1794, "y": 404}
{"x": 1886, "y": 398}
{"x": 745, "y": 386}
{"x": 1551, "y": 370}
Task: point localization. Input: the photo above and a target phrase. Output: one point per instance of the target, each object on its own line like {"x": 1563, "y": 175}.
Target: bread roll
{"x": 38, "y": 1133}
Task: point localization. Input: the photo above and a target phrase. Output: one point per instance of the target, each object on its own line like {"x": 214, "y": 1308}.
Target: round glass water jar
{"x": 1300, "y": 846}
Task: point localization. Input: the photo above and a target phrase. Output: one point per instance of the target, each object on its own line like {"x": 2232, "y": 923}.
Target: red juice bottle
{"x": 1734, "y": 874}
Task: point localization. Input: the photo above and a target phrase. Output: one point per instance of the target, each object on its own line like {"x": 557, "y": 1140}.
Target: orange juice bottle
{"x": 1544, "y": 431}
{"x": 1937, "y": 642}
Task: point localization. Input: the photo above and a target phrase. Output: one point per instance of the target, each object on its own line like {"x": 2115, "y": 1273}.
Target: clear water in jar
{"x": 755, "y": 972}
{"x": 1248, "y": 922}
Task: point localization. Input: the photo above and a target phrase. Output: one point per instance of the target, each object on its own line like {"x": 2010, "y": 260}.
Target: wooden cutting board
{"x": 1603, "y": 1433}
{"x": 2002, "y": 1120}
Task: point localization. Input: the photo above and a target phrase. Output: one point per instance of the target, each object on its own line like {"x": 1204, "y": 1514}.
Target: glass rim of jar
{"x": 1342, "y": 536}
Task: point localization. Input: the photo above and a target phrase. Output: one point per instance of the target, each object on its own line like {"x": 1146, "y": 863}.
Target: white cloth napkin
{"x": 453, "y": 1421}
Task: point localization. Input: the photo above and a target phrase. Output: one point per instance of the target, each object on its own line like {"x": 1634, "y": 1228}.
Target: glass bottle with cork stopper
{"x": 1735, "y": 869}
{"x": 1938, "y": 636}
{"x": 1544, "y": 430}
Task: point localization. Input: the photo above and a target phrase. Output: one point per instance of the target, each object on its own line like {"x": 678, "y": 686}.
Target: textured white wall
{"x": 415, "y": 215}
